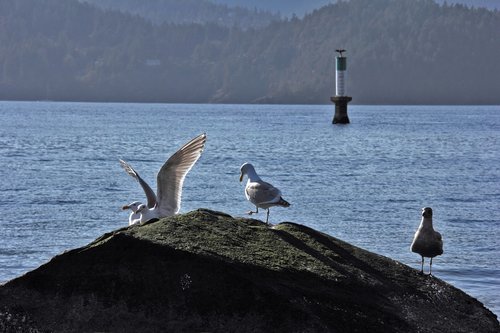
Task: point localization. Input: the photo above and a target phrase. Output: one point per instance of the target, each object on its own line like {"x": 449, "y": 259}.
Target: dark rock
{"x": 208, "y": 272}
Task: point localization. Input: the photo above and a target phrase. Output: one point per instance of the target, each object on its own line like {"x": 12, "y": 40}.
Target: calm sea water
{"x": 365, "y": 182}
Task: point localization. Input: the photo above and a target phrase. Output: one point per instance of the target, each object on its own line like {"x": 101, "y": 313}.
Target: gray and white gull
{"x": 135, "y": 216}
{"x": 427, "y": 242}
{"x": 170, "y": 179}
{"x": 261, "y": 194}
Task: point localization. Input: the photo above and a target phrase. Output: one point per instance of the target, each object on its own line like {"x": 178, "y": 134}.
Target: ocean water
{"x": 366, "y": 182}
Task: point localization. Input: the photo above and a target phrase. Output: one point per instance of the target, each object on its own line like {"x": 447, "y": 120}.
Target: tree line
{"x": 399, "y": 52}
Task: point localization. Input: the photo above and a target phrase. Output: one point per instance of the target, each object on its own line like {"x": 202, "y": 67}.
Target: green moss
{"x": 239, "y": 240}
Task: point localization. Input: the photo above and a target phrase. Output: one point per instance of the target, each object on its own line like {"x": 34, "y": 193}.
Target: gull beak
{"x": 241, "y": 177}
{"x": 125, "y": 207}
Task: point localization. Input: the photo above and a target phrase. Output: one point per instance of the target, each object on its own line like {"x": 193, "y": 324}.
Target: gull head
{"x": 246, "y": 169}
{"x": 427, "y": 212}
{"x": 134, "y": 206}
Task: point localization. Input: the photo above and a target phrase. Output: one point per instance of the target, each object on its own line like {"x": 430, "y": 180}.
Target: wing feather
{"x": 171, "y": 176}
{"x": 150, "y": 194}
{"x": 261, "y": 193}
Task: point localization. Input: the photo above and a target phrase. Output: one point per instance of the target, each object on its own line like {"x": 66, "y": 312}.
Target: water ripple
{"x": 365, "y": 182}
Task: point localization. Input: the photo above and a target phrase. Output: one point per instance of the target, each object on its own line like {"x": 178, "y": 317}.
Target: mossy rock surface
{"x": 205, "y": 271}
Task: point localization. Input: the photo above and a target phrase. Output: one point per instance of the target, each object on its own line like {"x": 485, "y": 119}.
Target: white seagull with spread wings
{"x": 170, "y": 178}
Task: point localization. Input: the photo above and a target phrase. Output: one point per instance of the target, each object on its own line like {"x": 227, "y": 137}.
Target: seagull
{"x": 260, "y": 193}
{"x": 170, "y": 178}
{"x": 427, "y": 242}
{"x": 145, "y": 214}
{"x": 135, "y": 216}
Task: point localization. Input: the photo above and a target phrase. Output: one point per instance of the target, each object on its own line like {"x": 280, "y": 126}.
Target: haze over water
{"x": 365, "y": 183}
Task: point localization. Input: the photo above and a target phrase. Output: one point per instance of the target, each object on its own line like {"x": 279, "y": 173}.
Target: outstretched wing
{"x": 150, "y": 194}
{"x": 171, "y": 175}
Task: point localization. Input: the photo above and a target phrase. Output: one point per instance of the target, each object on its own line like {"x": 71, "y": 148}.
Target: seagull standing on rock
{"x": 170, "y": 178}
{"x": 261, "y": 194}
{"x": 427, "y": 242}
{"x": 135, "y": 216}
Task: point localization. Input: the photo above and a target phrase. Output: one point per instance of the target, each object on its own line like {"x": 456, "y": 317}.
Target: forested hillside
{"x": 301, "y": 7}
{"x": 190, "y": 11}
{"x": 399, "y": 51}
{"x": 284, "y": 7}
{"x": 490, "y": 4}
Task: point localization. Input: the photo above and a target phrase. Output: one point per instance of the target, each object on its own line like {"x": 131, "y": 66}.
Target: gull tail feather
{"x": 282, "y": 202}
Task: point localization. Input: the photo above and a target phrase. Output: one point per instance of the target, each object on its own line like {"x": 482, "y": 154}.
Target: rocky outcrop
{"x": 205, "y": 271}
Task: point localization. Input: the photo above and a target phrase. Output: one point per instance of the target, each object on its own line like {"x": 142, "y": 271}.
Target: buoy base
{"x": 340, "y": 116}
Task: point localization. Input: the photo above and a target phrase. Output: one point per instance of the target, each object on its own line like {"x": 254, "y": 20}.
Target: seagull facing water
{"x": 261, "y": 194}
{"x": 170, "y": 178}
{"x": 427, "y": 242}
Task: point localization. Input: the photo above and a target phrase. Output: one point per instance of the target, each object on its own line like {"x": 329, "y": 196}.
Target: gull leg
{"x": 250, "y": 212}
{"x": 430, "y": 268}
{"x": 422, "y": 269}
{"x": 267, "y": 216}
